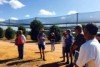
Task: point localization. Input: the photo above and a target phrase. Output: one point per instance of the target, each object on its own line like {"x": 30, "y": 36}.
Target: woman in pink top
{"x": 20, "y": 40}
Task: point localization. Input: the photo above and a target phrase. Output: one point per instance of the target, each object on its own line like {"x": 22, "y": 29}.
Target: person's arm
{"x": 24, "y": 38}
{"x": 73, "y": 47}
{"x": 82, "y": 57}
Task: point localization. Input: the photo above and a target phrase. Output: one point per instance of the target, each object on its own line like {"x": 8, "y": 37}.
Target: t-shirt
{"x": 40, "y": 40}
{"x": 63, "y": 41}
{"x": 69, "y": 39}
{"x": 89, "y": 54}
{"x": 52, "y": 38}
{"x": 79, "y": 40}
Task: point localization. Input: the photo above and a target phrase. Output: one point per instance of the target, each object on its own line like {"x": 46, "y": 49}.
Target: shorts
{"x": 52, "y": 42}
{"x": 76, "y": 56}
{"x": 41, "y": 46}
{"x": 67, "y": 48}
{"x": 63, "y": 50}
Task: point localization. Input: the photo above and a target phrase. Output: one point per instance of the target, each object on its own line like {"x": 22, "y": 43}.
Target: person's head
{"x": 20, "y": 32}
{"x": 42, "y": 30}
{"x": 90, "y": 31}
{"x": 64, "y": 33}
{"x": 78, "y": 29}
{"x": 68, "y": 31}
{"x": 98, "y": 36}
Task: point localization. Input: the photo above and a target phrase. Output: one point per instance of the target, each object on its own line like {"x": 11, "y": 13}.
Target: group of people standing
{"x": 82, "y": 50}
{"x": 72, "y": 45}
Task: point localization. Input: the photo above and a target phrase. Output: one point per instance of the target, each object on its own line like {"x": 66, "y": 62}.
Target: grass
{"x": 8, "y": 55}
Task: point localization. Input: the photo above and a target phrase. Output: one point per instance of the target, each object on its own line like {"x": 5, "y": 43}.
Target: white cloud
{"x": 1, "y": 19}
{"x": 63, "y": 18}
{"x": 27, "y": 16}
{"x": 13, "y": 3}
{"x": 3, "y": 1}
{"x": 14, "y": 18}
{"x": 16, "y": 4}
{"x": 72, "y": 12}
{"x": 46, "y": 12}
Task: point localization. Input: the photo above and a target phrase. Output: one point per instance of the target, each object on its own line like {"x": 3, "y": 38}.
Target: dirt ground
{"x": 8, "y": 55}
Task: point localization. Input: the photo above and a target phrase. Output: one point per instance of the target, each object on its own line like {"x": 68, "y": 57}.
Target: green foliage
{"x": 23, "y": 29}
{"x": 1, "y": 33}
{"x": 9, "y": 33}
{"x": 57, "y": 32}
{"x": 35, "y": 27}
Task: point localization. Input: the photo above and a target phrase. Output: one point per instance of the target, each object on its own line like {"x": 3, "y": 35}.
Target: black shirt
{"x": 79, "y": 40}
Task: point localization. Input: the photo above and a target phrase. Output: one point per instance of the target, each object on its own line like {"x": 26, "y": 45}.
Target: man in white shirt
{"x": 89, "y": 54}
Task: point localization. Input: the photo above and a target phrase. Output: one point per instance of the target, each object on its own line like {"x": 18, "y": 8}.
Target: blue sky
{"x": 24, "y": 9}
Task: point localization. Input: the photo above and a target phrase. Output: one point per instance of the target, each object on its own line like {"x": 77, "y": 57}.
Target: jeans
{"x": 20, "y": 51}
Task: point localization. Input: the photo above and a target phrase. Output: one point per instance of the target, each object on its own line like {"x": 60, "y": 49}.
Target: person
{"x": 98, "y": 37}
{"x": 78, "y": 41}
{"x": 52, "y": 40}
{"x": 20, "y": 40}
{"x": 63, "y": 45}
{"x": 68, "y": 42}
{"x": 41, "y": 43}
{"x": 89, "y": 53}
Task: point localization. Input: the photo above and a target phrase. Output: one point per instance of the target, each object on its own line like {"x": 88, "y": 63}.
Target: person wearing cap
{"x": 20, "y": 40}
{"x": 89, "y": 53}
{"x": 52, "y": 40}
{"x": 68, "y": 42}
{"x": 78, "y": 41}
{"x": 41, "y": 43}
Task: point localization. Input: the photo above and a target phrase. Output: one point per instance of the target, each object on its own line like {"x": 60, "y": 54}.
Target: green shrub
{"x": 35, "y": 27}
{"x": 9, "y": 33}
{"x": 1, "y": 33}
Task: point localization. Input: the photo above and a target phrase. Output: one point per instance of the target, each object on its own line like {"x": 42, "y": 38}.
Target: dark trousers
{"x": 20, "y": 51}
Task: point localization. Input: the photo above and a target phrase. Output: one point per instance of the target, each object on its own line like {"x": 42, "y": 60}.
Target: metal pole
{"x": 9, "y": 22}
{"x": 76, "y": 18}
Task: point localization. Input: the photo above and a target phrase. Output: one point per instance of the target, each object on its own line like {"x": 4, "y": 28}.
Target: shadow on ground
{"x": 18, "y": 62}
{"x": 7, "y": 60}
{"x": 55, "y": 64}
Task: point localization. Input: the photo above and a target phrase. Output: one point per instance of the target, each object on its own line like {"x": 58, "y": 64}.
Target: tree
{"x": 9, "y": 33}
{"x": 1, "y": 33}
{"x": 35, "y": 26}
{"x": 56, "y": 30}
{"x": 23, "y": 29}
